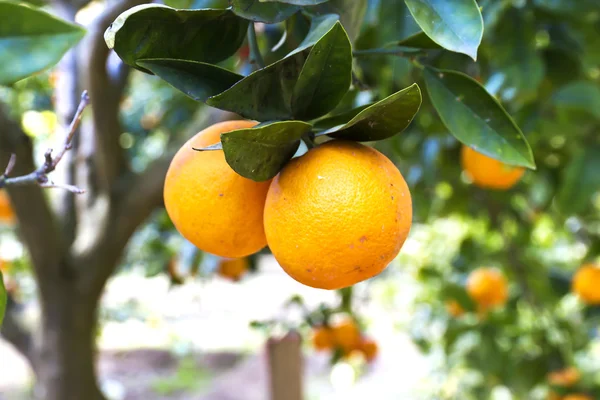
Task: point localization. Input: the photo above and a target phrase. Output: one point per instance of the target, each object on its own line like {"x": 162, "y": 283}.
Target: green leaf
{"x": 325, "y": 77}
{"x": 269, "y": 13}
{"x": 418, "y": 41}
{"x": 198, "y": 80}
{"x": 580, "y": 95}
{"x": 580, "y": 181}
{"x": 31, "y": 41}
{"x": 454, "y": 25}
{"x": 296, "y": 2}
{"x": 156, "y": 31}
{"x": 266, "y": 94}
{"x": 259, "y": 153}
{"x": 351, "y": 14}
{"x": 342, "y": 118}
{"x": 475, "y": 118}
{"x": 383, "y": 119}
{"x": 3, "y": 299}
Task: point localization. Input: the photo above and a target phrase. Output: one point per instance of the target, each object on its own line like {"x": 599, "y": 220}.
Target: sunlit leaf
{"x": 270, "y": 13}
{"x": 32, "y": 40}
{"x": 476, "y": 119}
{"x": 455, "y": 25}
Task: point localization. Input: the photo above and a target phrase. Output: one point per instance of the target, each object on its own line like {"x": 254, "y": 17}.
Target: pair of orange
{"x": 345, "y": 336}
{"x": 333, "y": 217}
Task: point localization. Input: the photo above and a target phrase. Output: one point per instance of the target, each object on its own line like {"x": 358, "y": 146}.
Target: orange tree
{"x": 522, "y": 96}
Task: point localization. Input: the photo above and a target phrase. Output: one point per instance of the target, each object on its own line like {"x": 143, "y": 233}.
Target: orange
{"x": 454, "y": 308}
{"x": 347, "y": 335}
{"x": 233, "y": 269}
{"x": 487, "y": 287}
{"x": 554, "y": 396}
{"x": 369, "y": 348}
{"x": 212, "y": 206}
{"x": 577, "y": 396}
{"x": 566, "y": 377}
{"x": 586, "y": 284}
{"x": 337, "y": 215}
{"x": 323, "y": 338}
{"x": 6, "y": 212}
{"x": 487, "y": 172}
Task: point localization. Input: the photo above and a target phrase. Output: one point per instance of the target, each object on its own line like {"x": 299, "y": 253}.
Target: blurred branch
{"x": 16, "y": 333}
{"x": 40, "y": 175}
{"x": 110, "y": 161}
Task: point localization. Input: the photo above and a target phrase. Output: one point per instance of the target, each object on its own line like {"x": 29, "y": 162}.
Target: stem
{"x": 308, "y": 139}
{"x": 346, "y": 294}
{"x": 255, "y": 56}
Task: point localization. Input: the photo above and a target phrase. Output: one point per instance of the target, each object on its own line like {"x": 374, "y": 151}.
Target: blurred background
{"x": 175, "y": 323}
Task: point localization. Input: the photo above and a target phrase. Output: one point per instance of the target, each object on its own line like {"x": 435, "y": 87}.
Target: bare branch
{"x": 40, "y": 175}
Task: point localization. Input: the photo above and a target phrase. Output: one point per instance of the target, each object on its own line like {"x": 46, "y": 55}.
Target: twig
{"x": 255, "y": 56}
{"x": 40, "y": 175}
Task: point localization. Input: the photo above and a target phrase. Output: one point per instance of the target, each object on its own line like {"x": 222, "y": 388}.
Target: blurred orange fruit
{"x": 487, "y": 287}
{"x": 323, "y": 338}
{"x": 337, "y": 215}
{"x": 586, "y": 284}
{"x": 233, "y": 269}
{"x": 577, "y": 396}
{"x": 212, "y": 206}
{"x": 566, "y": 377}
{"x": 454, "y": 308}
{"x": 369, "y": 348}
{"x": 347, "y": 335}
{"x": 487, "y": 172}
{"x": 7, "y": 214}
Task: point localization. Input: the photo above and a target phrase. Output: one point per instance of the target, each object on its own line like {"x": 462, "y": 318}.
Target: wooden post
{"x": 286, "y": 367}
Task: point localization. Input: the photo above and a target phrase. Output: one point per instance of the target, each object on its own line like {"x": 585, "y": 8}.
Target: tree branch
{"x": 40, "y": 175}
{"x": 109, "y": 158}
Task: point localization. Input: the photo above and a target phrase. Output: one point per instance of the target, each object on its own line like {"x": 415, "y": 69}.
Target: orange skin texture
{"x": 347, "y": 335}
{"x": 586, "y": 284}
{"x": 323, "y": 338}
{"x": 487, "y": 172}
{"x": 212, "y": 206}
{"x": 565, "y": 378}
{"x": 454, "y": 308}
{"x": 487, "y": 287}
{"x": 338, "y": 215}
{"x": 233, "y": 269}
{"x": 7, "y": 214}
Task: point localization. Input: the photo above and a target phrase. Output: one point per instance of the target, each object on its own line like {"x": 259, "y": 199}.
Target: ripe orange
{"x": 487, "y": 172}
{"x": 233, "y": 269}
{"x": 338, "y": 215}
{"x": 212, "y": 206}
{"x": 7, "y": 214}
{"x": 347, "y": 335}
{"x": 454, "y": 308}
{"x": 487, "y": 287}
{"x": 369, "y": 349}
{"x": 577, "y": 396}
{"x": 323, "y": 338}
{"x": 566, "y": 377}
{"x": 586, "y": 284}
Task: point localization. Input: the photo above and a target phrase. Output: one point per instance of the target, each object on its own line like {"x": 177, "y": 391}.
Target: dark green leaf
{"x": 325, "y": 77}
{"x": 198, "y": 80}
{"x": 257, "y": 11}
{"x": 455, "y": 25}
{"x": 476, "y": 119}
{"x": 319, "y": 26}
{"x": 259, "y": 153}
{"x": 338, "y": 119}
{"x": 351, "y": 12}
{"x": 297, "y": 2}
{"x": 580, "y": 181}
{"x": 383, "y": 119}
{"x": 265, "y": 94}
{"x": 157, "y": 31}
{"x": 3, "y": 299}
{"x": 580, "y": 95}
{"x": 418, "y": 41}
{"x": 31, "y": 41}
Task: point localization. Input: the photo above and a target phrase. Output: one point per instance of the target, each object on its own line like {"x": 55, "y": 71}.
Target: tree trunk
{"x": 66, "y": 363}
